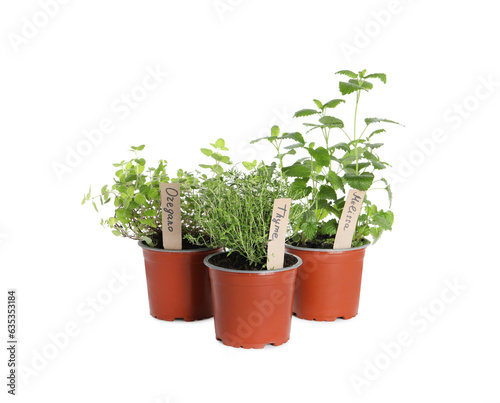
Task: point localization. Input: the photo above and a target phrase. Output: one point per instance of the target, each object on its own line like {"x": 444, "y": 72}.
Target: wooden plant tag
{"x": 349, "y": 218}
{"x": 171, "y": 215}
{"x": 277, "y": 234}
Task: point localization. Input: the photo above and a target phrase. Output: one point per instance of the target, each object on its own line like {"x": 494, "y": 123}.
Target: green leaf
{"x": 318, "y": 103}
{"x": 270, "y": 138}
{"x": 138, "y": 148}
{"x": 95, "y": 206}
{"x": 330, "y": 227}
{"x": 297, "y": 171}
{"x": 220, "y": 143}
{"x": 375, "y": 232}
{"x": 326, "y": 192}
{"x": 130, "y": 191}
{"x": 342, "y": 146}
{"x": 347, "y": 73}
{"x": 361, "y": 182}
{"x": 381, "y": 76}
{"x": 348, "y": 88}
{"x": 140, "y": 199}
{"x": 333, "y": 103}
{"x": 299, "y": 189}
{"x": 275, "y": 131}
{"x": 384, "y": 219}
{"x": 309, "y": 229}
{"x": 207, "y": 151}
{"x": 153, "y": 194}
{"x": 295, "y": 136}
{"x": 369, "y": 121}
{"x": 335, "y": 180}
{"x": 205, "y": 166}
{"x": 365, "y": 84}
{"x": 150, "y": 213}
{"x": 330, "y": 121}
{"x": 248, "y": 165}
{"x": 374, "y": 145}
{"x": 305, "y": 112}
{"x": 116, "y": 232}
{"x": 321, "y": 156}
{"x": 389, "y": 190}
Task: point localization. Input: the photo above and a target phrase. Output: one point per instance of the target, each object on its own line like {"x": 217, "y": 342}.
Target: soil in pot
{"x": 252, "y": 308}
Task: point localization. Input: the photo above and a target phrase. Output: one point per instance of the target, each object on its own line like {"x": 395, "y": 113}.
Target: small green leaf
{"x": 320, "y": 155}
{"x": 347, "y": 73}
{"x": 297, "y": 171}
{"x": 369, "y": 121}
{"x": 140, "y": 199}
{"x": 295, "y": 136}
{"x": 309, "y": 229}
{"x": 389, "y": 190}
{"x": 220, "y": 143}
{"x": 361, "y": 182}
{"x": 348, "y": 88}
{"x": 381, "y": 76}
{"x": 365, "y": 84}
{"x": 299, "y": 189}
{"x": 335, "y": 180}
{"x": 207, "y": 151}
{"x": 305, "y": 112}
{"x": 248, "y": 165}
{"x": 330, "y": 227}
{"x": 330, "y": 121}
{"x": 275, "y": 131}
{"x": 318, "y": 103}
{"x": 333, "y": 103}
{"x": 130, "y": 191}
{"x": 342, "y": 146}
{"x": 116, "y": 232}
{"x": 384, "y": 220}
{"x": 326, "y": 192}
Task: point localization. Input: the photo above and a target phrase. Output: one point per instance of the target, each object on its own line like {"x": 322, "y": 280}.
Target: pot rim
{"x": 144, "y": 246}
{"x": 327, "y": 250}
{"x": 255, "y": 272}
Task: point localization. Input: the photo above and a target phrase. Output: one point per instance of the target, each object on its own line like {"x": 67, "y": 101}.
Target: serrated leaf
{"x": 369, "y": 121}
{"x": 330, "y": 227}
{"x": 297, "y": 171}
{"x": 362, "y": 181}
{"x": 309, "y": 229}
{"x": 270, "y": 138}
{"x": 348, "y": 88}
{"x": 296, "y": 145}
{"x": 342, "y": 146}
{"x": 384, "y": 219}
{"x": 335, "y": 180}
{"x": 375, "y": 233}
{"x": 365, "y": 84}
{"x": 374, "y": 145}
{"x": 295, "y": 136}
{"x": 381, "y": 76}
{"x": 389, "y": 190}
{"x": 331, "y": 121}
{"x": 305, "y": 112}
{"x": 318, "y": 103}
{"x": 333, "y": 103}
{"x": 320, "y": 155}
{"x": 299, "y": 189}
{"x": 326, "y": 192}
{"x": 347, "y": 73}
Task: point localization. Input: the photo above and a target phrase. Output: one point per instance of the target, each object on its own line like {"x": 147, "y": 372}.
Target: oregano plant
{"x": 343, "y": 157}
{"x": 135, "y": 193}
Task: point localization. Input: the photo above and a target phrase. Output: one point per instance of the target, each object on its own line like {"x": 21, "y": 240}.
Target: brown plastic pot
{"x": 328, "y": 283}
{"x": 178, "y": 283}
{"x": 252, "y": 308}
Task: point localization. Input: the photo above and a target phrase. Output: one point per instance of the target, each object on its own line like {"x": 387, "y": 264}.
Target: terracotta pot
{"x": 178, "y": 283}
{"x": 328, "y": 283}
{"x": 252, "y": 308}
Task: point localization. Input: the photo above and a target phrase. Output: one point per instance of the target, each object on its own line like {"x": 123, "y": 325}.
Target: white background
{"x": 233, "y": 73}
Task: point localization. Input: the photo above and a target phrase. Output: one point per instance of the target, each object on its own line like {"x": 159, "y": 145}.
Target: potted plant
{"x": 177, "y": 280}
{"x": 252, "y": 302}
{"x": 329, "y": 281}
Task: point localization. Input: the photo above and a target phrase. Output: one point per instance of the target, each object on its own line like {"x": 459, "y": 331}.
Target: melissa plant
{"x": 320, "y": 173}
{"x": 135, "y": 194}
{"x": 234, "y": 208}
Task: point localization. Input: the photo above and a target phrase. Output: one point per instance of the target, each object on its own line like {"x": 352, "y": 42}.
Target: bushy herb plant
{"x": 234, "y": 208}
{"x": 320, "y": 173}
{"x": 136, "y": 197}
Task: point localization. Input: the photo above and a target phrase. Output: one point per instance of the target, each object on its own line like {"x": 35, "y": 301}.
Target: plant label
{"x": 171, "y": 215}
{"x": 349, "y": 218}
{"x": 277, "y": 234}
